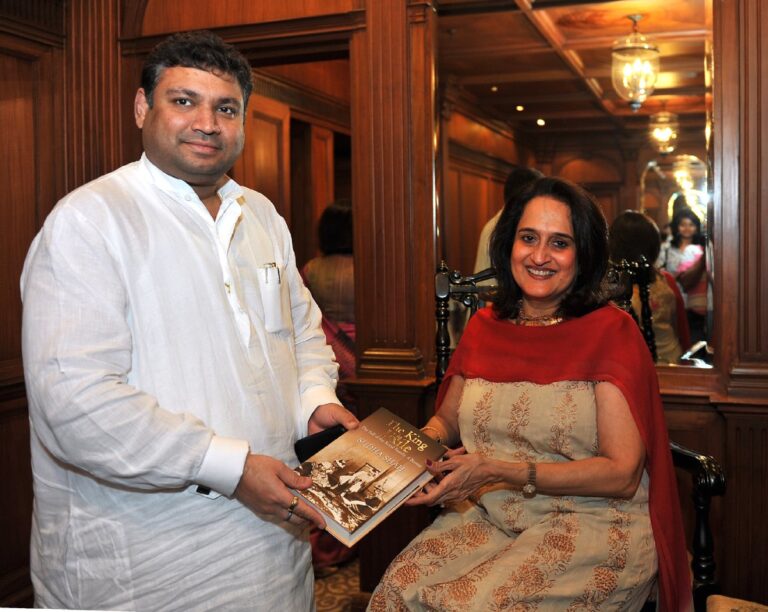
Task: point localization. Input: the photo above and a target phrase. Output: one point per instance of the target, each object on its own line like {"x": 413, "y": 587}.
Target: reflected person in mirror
{"x": 684, "y": 257}
{"x": 172, "y": 356}
{"x": 560, "y": 492}
{"x": 634, "y": 237}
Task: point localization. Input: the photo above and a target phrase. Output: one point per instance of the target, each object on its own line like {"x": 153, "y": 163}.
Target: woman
{"x": 554, "y": 397}
{"x": 633, "y": 237}
{"x": 331, "y": 280}
{"x": 686, "y": 232}
{"x": 683, "y": 257}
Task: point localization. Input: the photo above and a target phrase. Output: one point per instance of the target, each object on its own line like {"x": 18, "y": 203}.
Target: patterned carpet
{"x": 338, "y": 589}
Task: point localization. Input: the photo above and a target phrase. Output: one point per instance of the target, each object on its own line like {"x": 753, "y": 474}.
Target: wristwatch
{"x": 529, "y": 488}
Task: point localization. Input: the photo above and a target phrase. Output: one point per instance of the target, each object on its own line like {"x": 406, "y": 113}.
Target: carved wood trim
{"x": 37, "y": 20}
{"x": 294, "y": 40}
{"x": 393, "y": 122}
{"x": 132, "y": 18}
{"x": 311, "y": 104}
{"x": 391, "y": 363}
{"x": 741, "y": 222}
{"x": 463, "y": 155}
{"x": 93, "y": 91}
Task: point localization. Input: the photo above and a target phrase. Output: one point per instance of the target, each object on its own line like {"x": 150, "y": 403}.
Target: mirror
{"x": 673, "y": 182}
{"x": 532, "y": 85}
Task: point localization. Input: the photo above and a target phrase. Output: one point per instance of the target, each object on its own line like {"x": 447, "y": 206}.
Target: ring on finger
{"x": 292, "y": 507}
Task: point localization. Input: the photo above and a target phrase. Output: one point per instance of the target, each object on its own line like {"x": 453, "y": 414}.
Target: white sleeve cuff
{"x": 310, "y": 400}
{"x": 223, "y": 464}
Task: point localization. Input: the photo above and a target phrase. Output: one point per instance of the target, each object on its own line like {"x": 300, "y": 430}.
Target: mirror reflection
{"x": 676, "y": 188}
{"x": 536, "y": 86}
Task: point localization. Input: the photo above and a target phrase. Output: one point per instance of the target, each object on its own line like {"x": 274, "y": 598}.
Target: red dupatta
{"x": 604, "y": 345}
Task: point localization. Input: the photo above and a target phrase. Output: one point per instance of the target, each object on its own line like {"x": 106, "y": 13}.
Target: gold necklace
{"x": 537, "y": 320}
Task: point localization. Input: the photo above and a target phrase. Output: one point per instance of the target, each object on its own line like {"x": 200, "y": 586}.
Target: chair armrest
{"x": 708, "y": 480}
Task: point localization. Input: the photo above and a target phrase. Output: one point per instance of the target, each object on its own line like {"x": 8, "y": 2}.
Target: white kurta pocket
{"x": 277, "y": 316}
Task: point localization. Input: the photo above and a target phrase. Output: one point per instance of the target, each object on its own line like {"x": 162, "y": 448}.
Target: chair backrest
{"x": 706, "y": 474}
{"x": 624, "y": 276}
{"x": 451, "y": 285}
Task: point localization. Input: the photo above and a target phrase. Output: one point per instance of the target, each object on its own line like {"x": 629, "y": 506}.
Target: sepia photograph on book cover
{"x": 368, "y": 472}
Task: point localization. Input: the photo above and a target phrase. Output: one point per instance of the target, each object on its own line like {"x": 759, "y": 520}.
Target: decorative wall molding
{"x": 41, "y": 20}
{"x": 309, "y": 102}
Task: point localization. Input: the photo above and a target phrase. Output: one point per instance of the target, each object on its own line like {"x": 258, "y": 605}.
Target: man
{"x": 172, "y": 356}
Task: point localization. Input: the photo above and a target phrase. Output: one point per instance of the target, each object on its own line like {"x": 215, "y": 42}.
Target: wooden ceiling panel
{"x": 473, "y": 32}
{"x": 554, "y": 57}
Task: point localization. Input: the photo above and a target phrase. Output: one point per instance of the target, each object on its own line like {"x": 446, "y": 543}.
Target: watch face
{"x": 529, "y": 490}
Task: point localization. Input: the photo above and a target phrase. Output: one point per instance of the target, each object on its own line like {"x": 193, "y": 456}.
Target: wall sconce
{"x": 664, "y": 128}
{"x": 634, "y": 66}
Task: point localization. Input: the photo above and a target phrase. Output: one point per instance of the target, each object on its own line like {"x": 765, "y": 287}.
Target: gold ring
{"x": 294, "y": 503}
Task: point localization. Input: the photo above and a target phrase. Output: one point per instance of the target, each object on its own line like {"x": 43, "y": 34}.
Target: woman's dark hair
{"x": 335, "y": 228}
{"x": 685, "y": 213}
{"x": 590, "y": 236}
{"x": 632, "y": 236}
{"x": 202, "y": 50}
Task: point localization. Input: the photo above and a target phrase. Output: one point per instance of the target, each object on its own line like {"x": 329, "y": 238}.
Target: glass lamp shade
{"x": 634, "y": 68}
{"x": 663, "y": 129}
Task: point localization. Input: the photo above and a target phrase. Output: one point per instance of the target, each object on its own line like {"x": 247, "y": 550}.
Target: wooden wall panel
{"x": 312, "y": 185}
{"x": 330, "y": 78}
{"x": 264, "y": 164}
{"x": 31, "y": 120}
{"x": 95, "y": 104}
{"x": 750, "y": 372}
{"x": 130, "y": 135}
{"x": 177, "y": 15}
{"x": 19, "y": 215}
{"x": 393, "y": 122}
{"x": 477, "y": 156}
{"x": 15, "y": 503}
{"x": 693, "y": 423}
{"x": 322, "y": 171}
{"x": 493, "y": 140}
{"x": 476, "y": 198}
{"x": 44, "y": 19}
{"x": 745, "y": 571}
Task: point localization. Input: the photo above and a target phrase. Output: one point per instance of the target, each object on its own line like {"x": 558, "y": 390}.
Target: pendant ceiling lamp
{"x": 634, "y": 66}
{"x": 663, "y": 129}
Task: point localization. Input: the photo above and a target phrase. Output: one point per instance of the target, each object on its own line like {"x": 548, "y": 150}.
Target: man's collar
{"x": 229, "y": 190}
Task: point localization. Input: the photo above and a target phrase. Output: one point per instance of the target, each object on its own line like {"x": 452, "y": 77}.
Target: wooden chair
{"x": 623, "y": 276}
{"x": 706, "y": 474}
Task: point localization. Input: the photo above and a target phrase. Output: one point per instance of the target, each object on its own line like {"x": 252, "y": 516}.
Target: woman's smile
{"x": 544, "y": 255}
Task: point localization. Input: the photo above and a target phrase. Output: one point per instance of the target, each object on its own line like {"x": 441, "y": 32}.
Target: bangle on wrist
{"x": 438, "y": 438}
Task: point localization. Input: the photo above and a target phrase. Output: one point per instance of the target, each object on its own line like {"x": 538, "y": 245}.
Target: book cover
{"x": 365, "y": 474}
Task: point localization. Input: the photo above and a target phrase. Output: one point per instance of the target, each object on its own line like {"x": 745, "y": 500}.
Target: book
{"x": 367, "y": 473}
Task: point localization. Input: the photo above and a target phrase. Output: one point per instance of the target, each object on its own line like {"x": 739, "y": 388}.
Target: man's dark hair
{"x": 202, "y": 50}
{"x": 335, "y": 228}
{"x": 518, "y": 177}
{"x": 632, "y": 236}
{"x": 685, "y": 213}
{"x": 591, "y": 239}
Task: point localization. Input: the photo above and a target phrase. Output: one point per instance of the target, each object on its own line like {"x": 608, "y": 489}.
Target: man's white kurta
{"x": 158, "y": 346}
